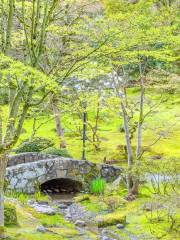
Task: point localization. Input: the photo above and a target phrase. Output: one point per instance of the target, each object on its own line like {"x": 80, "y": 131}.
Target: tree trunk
{"x": 3, "y": 26}
{"x": 3, "y": 164}
{"x": 95, "y": 137}
{"x": 59, "y": 129}
{"x": 140, "y": 122}
{"x": 9, "y": 25}
{"x": 128, "y": 147}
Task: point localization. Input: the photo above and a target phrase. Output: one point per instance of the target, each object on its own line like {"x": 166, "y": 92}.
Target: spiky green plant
{"x": 98, "y": 186}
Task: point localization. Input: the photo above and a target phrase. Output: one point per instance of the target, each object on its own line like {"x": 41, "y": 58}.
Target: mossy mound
{"x": 81, "y": 198}
{"x": 110, "y": 219}
{"x": 10, "y": 216}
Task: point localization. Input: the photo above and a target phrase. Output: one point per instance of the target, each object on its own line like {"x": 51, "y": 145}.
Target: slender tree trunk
{"x": 95, "y": 137}
{"x": 1, "y": 130}
{"x": 3, "y": 164}
{"x": 33, "y": 129}
{"x": 59, "y": 129}
{"x": 135, "y": 187}
{"x": 9, "y": 25}
{"x": 128, "y": 147}
{"x": 3, "y": 28}
{"x": 84, "y": 134}
{"x": 140, "y": 122}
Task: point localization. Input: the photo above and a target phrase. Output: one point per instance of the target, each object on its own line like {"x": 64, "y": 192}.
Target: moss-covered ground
{"x": 140, "y": 223}
{"x": 28, "y": 220}
{"x": 110, "y": 209}
{"x": 144, "y": 224}
{"x": 164, "y": 120}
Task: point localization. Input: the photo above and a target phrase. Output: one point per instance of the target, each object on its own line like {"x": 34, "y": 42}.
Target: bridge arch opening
{"x": 61, "y": 186}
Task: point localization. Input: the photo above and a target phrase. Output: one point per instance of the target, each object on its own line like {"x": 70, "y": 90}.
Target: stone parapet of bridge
{"x": 26, "y": 177}
{"x": 28, "y": 157}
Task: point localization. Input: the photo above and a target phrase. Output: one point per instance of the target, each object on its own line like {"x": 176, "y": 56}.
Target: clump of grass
{"x": 23, "y": 198}
{"x": 38, "y": 196}
{"x": 97, "y": 186}
{"x": 20, "y": 196}
{"x": 110, "y": 219}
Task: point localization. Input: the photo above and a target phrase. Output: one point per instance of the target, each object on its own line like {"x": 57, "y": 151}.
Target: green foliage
{"x": 58, "y": 152}
{"x": 10, "y": 216}
{"x": 164, "y": 210}
{"x": 38, "y": 196}
{"x": 36, "y": 145}
{"x": 13, "y": 70}
{"x": 113, "y": 202}
{"x": 97, "y": 186}
{"x": 23, "y": 198}
{"x": 110, "y": 219}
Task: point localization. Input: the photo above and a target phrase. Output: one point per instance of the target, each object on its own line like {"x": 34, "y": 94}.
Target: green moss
{"x": 2, "y": 230}
{"x": 10, "y": 216}
{"x": 95, "y": 204}
{"x": 82, "y": 198}
{"x": 110, "y": 219}
{"x": 28, "y": 221}
{"x": 39, "y": 236}
{"x": 66, "y": 232}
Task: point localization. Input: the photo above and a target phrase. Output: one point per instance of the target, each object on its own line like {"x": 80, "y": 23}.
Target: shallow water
{"x": 64, "y": 197}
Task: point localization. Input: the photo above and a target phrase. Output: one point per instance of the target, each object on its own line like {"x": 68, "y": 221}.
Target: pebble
{"x": 43, "y": 202}
{"x": 120, "y": 226}
{"x": 30, "y": 202}
{"x": 106, "y": 238}
{"x": 41, "y": 229}
{"x": 80, "y": 223}
{"x": 104, "y": 231}
{"x": 62, "y": 206}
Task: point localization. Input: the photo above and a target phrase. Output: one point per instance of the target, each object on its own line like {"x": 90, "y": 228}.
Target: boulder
{"x": 45, "y": 209}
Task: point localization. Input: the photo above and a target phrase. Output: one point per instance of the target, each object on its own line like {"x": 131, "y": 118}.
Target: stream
{"x": 84, "y": 220}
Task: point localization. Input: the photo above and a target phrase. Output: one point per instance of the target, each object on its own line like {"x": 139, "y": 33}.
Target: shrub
{"x": 110, "y": 219}
{"x": 35, "y": 145}
{"x": 58, "y": 152}
{"x": 10, "y": 216}
{"x": 113, "y": 202}
{"x": 98, "y": 186}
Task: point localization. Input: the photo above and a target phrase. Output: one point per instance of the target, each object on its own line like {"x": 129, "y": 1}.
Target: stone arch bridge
{"x": 27, "y": 171}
